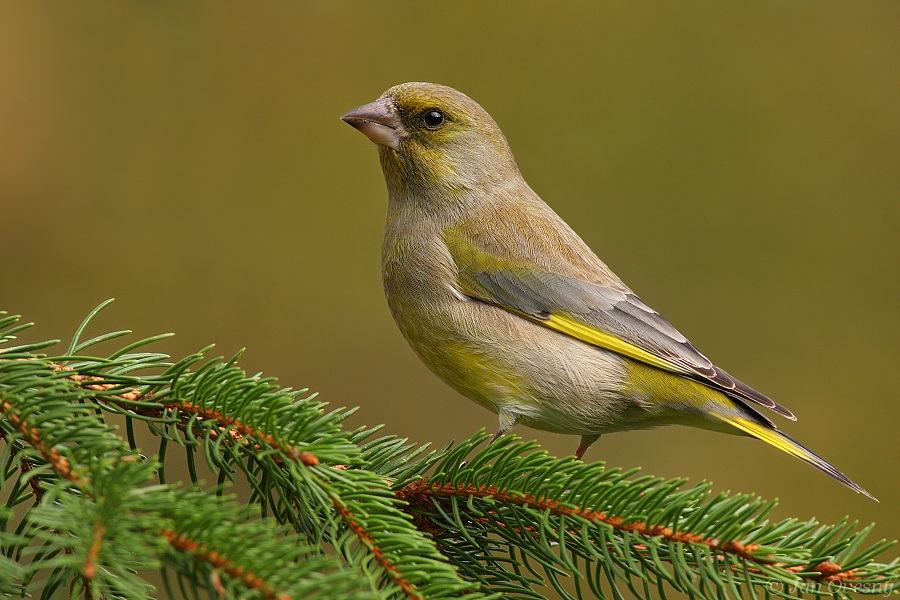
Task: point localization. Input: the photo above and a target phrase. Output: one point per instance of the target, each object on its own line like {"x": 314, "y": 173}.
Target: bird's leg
{"x": 507, "y": 420}
{"x": 586, "y": 441}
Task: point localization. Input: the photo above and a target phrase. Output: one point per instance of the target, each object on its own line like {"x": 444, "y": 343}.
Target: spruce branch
{"x": 345, "y": 513}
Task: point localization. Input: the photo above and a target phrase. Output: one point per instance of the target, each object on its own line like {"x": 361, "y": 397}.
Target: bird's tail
{"x": 785, "y": 443}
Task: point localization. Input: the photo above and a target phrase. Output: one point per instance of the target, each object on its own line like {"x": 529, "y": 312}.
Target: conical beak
{"x": 379, "y": 122}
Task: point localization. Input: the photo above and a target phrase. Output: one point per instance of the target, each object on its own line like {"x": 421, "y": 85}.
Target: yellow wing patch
{"x": 605, "y": 340}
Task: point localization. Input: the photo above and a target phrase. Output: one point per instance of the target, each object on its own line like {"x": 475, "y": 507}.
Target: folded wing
{"x": 608, "y": 318}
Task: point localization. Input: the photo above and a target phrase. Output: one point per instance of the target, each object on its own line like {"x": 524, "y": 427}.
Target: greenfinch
{"x": 503, "y": 300}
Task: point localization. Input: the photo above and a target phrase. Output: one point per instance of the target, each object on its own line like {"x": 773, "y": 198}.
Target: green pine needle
{"x": 332, "y": 513}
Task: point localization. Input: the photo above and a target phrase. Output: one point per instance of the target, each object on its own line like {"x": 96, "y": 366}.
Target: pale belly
{"x": 520, "y": 369}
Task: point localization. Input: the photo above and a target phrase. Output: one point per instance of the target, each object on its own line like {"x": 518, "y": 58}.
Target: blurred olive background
{"x": 737, "y": 164}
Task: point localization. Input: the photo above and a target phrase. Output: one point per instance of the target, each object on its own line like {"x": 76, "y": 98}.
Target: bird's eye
{"x": 433, "y": 119}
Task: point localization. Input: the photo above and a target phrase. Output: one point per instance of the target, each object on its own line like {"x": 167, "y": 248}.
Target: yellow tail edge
{"x": 785, "y": 443}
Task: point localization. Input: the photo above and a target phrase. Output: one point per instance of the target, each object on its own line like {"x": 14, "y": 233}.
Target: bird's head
{"x": 434, "y": 139}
